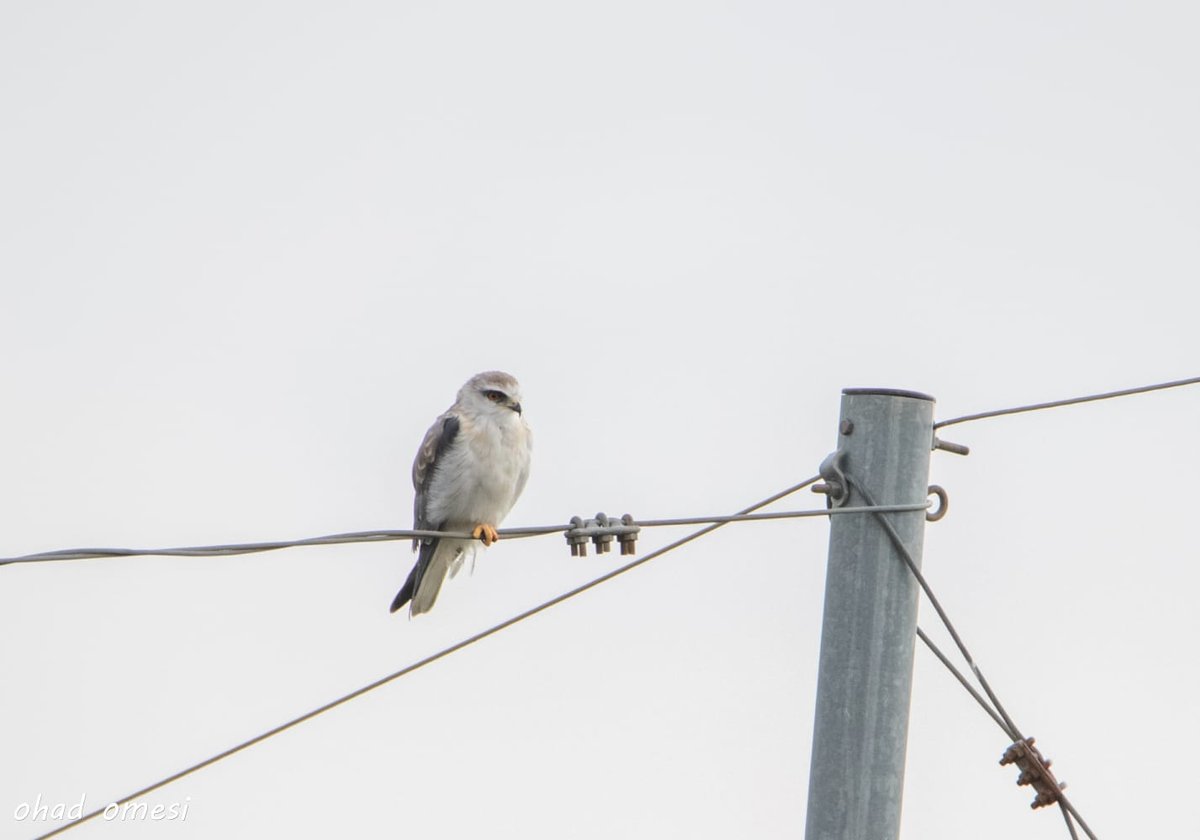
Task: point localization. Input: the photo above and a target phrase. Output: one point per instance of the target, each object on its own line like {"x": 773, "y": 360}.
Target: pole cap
{"x": 886, "y": 392}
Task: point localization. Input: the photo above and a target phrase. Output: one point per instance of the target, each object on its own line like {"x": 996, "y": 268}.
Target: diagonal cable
{"x": 408, "y": 669}
{"x": 963, "y": 681}
{"x": 1066, "y": 815}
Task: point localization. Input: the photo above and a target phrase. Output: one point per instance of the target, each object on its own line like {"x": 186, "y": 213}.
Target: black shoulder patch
{"x": 450, "y": 428}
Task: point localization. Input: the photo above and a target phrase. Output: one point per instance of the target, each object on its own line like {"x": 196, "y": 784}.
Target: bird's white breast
{"x": 478, "y": 479}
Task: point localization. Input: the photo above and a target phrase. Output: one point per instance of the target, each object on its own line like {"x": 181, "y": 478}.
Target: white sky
{"x": 249, "y": 250}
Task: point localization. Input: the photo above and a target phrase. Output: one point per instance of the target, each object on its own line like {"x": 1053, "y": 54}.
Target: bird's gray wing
{"x": 437, "y": 440}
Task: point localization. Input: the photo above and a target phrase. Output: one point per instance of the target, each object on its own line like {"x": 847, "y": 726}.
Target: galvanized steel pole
{"x": 864, "y": 679}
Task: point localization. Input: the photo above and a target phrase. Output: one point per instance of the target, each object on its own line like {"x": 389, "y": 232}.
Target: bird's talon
{"x": 486, "y": 533}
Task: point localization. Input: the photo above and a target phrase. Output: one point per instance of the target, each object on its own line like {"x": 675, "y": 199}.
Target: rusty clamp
{"x": 1035, "y": 771}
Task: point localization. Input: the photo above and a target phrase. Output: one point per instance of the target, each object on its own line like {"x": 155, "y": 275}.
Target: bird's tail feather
{"x": 425, "y": 580}
{"x": 414, "y": 577}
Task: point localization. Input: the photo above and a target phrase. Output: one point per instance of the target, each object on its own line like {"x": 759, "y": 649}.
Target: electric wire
{"x": 389, "y": 535}
{"x": 1108, "y": 395}
{"x": 1001, "y": 717}
{"x": 958, "y": 675}
{"x": 408, "y": 669}
{"x": 1067, "y": 819}
{"x": 1068, "y": 808}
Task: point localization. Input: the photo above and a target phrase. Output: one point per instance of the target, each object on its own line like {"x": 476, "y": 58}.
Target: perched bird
{"x": 469, "y": 471}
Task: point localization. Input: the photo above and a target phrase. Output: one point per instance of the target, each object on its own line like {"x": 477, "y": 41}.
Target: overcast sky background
{"x": 250, "y": 250}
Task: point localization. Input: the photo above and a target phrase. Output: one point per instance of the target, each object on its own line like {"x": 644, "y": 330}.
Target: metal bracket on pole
{"x": 836, "y": 488}
{"x": 947, "y": 446}
{"x": 943, "y": 503}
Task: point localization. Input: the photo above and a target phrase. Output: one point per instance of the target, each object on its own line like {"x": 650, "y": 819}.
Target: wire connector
{"x": 601, "y": 531}
{"x": 628, "y": 538}
{"x": 602, "y": 538}
{"x": 577, "y": 538}
{"x": 1035, "y": 771}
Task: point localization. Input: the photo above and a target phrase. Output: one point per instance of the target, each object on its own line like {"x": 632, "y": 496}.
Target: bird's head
{"x": 492, "y": 393}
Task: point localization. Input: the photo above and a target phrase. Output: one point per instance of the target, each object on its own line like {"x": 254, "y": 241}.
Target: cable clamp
{"x": 627, "y": 536}
{"x": 601, "y": 531}
{"x": 835, "y": 487}
{"x": 1035, "y": 771}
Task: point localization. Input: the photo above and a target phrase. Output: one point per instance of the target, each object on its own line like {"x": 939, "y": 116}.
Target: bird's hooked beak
{"x": 515, "y": 406}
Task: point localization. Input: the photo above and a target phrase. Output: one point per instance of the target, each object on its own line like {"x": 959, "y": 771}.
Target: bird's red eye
{"x": 494, "y": 396}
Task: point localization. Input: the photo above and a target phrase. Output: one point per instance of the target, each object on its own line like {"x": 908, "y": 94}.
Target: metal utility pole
{"x": 864, "y": 680}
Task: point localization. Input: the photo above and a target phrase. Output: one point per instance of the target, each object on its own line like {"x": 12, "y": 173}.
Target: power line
{"x": 1001, "y": 716}
{"x": 390, "y": 535}
{"x": 1070, "y": 825}
{"x": 1021, "y": 409}
{"x": 979, "y": 698}
{"x": 1068, "y": 808}
{"x": 429, "y": 659}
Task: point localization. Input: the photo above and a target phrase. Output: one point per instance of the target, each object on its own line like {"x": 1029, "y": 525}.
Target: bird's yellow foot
{"x": 485, "y": 532}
